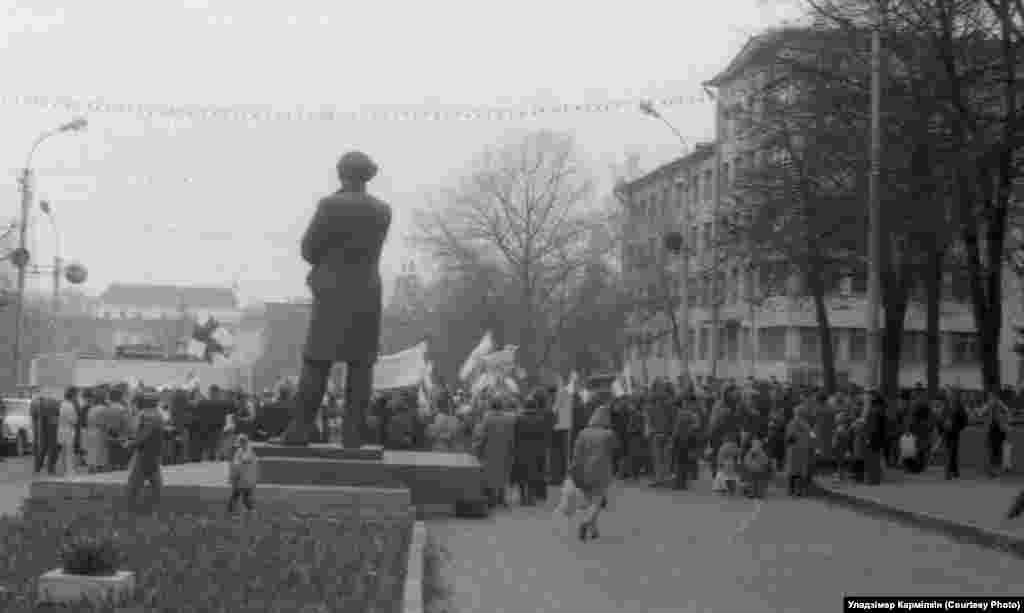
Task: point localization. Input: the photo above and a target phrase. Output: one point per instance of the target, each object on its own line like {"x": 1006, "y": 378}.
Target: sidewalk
{"x": 971, "y": 508}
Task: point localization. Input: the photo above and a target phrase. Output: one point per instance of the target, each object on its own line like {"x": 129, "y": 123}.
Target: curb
{"x": 413, "y": 596}
{"x": 988, "y": 538}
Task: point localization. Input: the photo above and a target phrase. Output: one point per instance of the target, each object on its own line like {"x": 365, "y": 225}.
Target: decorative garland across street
{"x": 249, "y": 113}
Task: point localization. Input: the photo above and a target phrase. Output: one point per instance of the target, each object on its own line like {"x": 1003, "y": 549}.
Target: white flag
{"x": 485, "y": 346}
{"x": 223, "y": 337}
{"x": 196, "y": 348}
{"x": 428, "y": 377}
{"x": 573, "y": 378}
{"x": 617, "y": 390}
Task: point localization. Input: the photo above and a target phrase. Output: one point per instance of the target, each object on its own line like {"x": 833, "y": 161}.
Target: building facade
{"x": 738, "y": 325}
{"x": 162, "y": 315}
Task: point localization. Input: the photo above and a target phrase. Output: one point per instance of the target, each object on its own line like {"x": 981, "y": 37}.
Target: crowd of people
{"x": 744, "y": 433}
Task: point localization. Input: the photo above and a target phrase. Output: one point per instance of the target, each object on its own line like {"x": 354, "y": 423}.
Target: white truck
{"x": 58, "y": 371}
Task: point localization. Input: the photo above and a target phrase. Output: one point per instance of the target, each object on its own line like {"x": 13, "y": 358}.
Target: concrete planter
{"x": 58, "y": 587}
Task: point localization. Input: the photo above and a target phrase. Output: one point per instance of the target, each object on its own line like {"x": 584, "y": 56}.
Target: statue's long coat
{"x": 343, "y": 244}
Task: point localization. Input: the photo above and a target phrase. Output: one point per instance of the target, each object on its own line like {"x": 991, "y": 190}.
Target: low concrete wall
{"x": 367, "y": 503}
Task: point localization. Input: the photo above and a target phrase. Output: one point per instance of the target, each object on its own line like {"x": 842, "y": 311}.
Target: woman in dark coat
{"x": 530, "y": 448}
{"x": 920, "y": 426}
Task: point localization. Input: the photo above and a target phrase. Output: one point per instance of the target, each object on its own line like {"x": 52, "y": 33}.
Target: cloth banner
{"x": 402, "y": 369}
{"x": 485, "y": 346}
{"x": 503, "y": 361}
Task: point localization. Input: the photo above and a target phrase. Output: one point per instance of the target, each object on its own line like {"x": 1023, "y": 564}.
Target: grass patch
{"x": 437, "y": 590}
{"x": 196, "y": 561}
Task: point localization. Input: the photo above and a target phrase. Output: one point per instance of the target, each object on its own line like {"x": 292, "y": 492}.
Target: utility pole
{"x": 875, "y": 205}
{"x": 58, "y": 340}
{"x": 19, "y": 307}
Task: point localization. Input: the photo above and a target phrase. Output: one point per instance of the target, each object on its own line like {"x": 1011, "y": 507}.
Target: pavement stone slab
{"x": 696, "y": 551}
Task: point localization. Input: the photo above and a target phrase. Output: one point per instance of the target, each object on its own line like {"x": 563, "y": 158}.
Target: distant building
{"x": 284, "y": 335}
{"x": 162, "y": 315}
{"x": 764, "y": 333}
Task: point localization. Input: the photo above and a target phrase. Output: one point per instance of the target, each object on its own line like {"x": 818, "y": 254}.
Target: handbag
{"x": 908, "y": 446}
{"x": 567, "y": 504}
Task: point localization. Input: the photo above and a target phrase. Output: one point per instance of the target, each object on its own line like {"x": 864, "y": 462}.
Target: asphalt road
{"x": 696, "y": 551}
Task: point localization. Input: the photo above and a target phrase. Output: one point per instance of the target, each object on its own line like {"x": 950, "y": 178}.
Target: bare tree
{"x": 523, "y": 208}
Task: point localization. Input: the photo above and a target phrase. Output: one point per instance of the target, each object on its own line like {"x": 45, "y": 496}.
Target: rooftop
{"x": 700, "y": 153}
{"x": 170, "y": 296}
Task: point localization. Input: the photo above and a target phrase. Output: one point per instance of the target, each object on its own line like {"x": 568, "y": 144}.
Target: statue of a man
{"x": 343, "y": 245}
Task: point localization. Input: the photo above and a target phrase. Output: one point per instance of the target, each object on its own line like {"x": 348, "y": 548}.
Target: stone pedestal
{"x": 433, "y": 478}
{"x": 57, "y": 587}
{"x": 322, "y": 451}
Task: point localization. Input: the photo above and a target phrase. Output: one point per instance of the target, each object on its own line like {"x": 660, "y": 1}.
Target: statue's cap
{"x": 358, "y": 166}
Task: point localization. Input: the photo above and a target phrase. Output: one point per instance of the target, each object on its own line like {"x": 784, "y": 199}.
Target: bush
{"x": 90, "y": 556}
{"x": 270, "y": 561}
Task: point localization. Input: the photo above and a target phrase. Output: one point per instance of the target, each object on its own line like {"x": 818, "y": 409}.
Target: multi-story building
{"x": 739, "y": 326}
{"x": 161, "y": 315}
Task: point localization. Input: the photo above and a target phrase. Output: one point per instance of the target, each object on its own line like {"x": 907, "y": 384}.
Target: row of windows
{"x": 772, "y": 278}
{"x": 657, "y": 205}
{"x": 735, "y": 344}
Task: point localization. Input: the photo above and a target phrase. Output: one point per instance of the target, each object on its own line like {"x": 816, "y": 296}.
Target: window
{"x": 859, "y": 280}
{"x": 833, "y": 279}
{"x": 708, "y": 178}
{"x": 726, "y": 176}
{"x": 771, "y": 344}
{"x": 734, "y": 286}
{"x": 858, "y": 345}
{"x": 965, "y": 348}
{"x": 810, "y": 346}
{"x": 732, "y": 342}
{"x": 774, "y": 277}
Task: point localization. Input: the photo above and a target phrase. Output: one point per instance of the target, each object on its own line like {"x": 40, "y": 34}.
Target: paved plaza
{"x": 664, "y": 551}
{"x": 975, "y": 499}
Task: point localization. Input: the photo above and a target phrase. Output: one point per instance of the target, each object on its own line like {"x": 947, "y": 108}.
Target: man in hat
{"x": 343, "y": 245}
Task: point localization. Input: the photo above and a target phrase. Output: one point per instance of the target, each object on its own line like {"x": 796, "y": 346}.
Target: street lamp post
{"x": 675, "y": 242}
{"x": 58, "y": 269}
{"x": 26, "y": 185}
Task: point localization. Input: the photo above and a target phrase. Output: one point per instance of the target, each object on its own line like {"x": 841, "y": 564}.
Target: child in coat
{"x": 243, "y": 473}
{"x": 758, "y": 466}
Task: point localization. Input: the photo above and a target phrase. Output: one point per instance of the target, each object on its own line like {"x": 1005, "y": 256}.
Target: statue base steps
{"x": 201, "y": 486}
{"x": 434, "y": 479}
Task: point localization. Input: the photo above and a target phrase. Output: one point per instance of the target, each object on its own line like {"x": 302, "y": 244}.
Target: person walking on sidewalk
{"x": 592, "y": 468}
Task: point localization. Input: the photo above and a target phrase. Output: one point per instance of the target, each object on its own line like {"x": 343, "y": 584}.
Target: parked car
{"x": 16, "y": 434}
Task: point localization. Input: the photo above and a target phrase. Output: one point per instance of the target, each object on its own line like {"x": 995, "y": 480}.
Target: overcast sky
{"x": 206, "y": 202}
